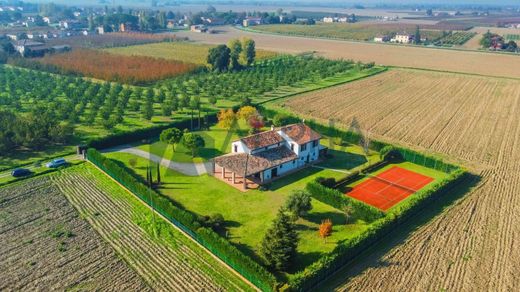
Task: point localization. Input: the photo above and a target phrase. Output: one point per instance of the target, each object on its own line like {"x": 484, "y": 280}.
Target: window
{"x": 235, "y": 148}
{"x": 281, "y": 166}
{"x": 303, "y": 147}
{"x": 292, "y": 147}
{"x": 315, "y": 144}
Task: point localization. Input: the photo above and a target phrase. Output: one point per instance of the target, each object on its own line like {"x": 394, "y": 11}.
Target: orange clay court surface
{"x": 389, "y": 188}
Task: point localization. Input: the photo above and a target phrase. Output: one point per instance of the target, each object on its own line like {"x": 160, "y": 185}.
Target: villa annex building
{"x": 265, "y": 156}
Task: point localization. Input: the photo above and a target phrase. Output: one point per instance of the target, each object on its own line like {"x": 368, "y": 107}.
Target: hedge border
{"x": 188, "y": 222}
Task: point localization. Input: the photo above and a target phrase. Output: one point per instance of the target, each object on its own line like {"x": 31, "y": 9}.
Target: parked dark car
{"x": 21, "y": 172}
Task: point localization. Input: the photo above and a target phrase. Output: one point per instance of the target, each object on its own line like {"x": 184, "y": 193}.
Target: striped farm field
{"x": 165, "y": 258}
{"x": 471, "y": 245}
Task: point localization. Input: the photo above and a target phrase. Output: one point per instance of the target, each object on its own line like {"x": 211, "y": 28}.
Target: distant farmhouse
{"x": 382, "y": 39}
{"x": 402, "y": 38}
{"x": 201, "y": 28}
{"x": 252, "y": 21}
{"x": 265, "y": 156}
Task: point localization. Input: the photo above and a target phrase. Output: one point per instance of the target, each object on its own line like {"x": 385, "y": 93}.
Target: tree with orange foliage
{"x": 226, "y": 119}
{"x": 325, "y": 229}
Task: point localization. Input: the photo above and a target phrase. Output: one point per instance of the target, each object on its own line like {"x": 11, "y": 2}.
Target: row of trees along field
{"x": 263, "y": 77}
{"x": 39, "y": 128}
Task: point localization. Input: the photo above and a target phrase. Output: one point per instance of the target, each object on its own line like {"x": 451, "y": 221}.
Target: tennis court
{"x": 389, "y": 188}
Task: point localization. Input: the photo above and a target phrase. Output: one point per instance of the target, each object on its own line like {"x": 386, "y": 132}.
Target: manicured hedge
{"x": 320, "y": 270}
{"x": 337, "y": 200}
{"x": 188, "y": 222}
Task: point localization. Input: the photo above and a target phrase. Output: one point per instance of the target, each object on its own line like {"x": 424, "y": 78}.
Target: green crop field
{"x": 512, "y": 37}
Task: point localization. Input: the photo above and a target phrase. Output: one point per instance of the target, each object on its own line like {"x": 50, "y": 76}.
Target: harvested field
{"x": 46, "y": 245}
{"x": 472, "y": 245}
{"x": 391, "y": 55}
{"x": 163, "y": 256}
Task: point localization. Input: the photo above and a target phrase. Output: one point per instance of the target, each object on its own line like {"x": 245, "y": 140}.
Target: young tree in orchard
{"x": 235, "y": 47}
{"x": 279, "y": 244}
{"x": 299, "y": 203}
{"x": 248, "y": 55}
{"x": 171, "y": 136}
{"x": 226, "y": 119}
{"x": 325, "y": 229}
{"x": 218, "y": 58}
{"x": 193, "y": 142}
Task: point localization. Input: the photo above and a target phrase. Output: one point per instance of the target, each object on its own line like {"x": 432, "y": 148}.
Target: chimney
{"x": 272, "y": 127}
{"x": 303, "y": 121}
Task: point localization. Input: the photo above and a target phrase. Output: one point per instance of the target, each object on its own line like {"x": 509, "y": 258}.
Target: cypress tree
{"x": 280, "y": 241}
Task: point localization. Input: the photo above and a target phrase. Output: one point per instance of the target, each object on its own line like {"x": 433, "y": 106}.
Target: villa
{"x": 266, "y": 156}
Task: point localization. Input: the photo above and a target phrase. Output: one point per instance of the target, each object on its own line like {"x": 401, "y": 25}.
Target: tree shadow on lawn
{"x": 294, "y": 177}
{"x": 372, "y": 257}
{"x": 342, "y": 160}
{"x": 337, "y": 218}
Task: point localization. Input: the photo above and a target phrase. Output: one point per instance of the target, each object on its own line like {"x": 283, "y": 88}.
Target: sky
{"x": 307, "y": 2}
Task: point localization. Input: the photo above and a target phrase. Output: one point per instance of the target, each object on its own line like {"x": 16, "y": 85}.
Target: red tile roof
{"x": 300, "y": 133}
{"x": 262, "y": 140}
{"x": 239, "y": 163}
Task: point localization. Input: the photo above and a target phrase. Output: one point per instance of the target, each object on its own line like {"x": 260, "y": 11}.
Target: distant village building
{"x": 100, "y": 29}
{"x": 213, "y": 21}
{"x": 24, "y": 46}
{"x": 126, "y": 27}
{"x": 328, "y": 19}
{"x": 252, "y": 21}
{"x": 402, "y": 38}
{"x": 200, "y": 28}
{"x": 382, "y": 39}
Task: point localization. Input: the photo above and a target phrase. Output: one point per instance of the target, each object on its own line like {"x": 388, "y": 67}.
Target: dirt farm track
{"x": 391, "y": 55}
{"x": 473, "y": 244}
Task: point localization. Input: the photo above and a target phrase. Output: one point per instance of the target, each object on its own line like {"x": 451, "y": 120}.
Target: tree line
{"x": 236, "y": 55}
{"x": 34, "y": 130}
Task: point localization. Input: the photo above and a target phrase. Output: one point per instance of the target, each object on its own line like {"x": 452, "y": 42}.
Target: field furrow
{"x": 471, "y": 246}
{"x": 165, "y": 258}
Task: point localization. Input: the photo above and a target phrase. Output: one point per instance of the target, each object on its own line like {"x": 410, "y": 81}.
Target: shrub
{"x": 326, "y": 182}
{"x": 298, "y": 203}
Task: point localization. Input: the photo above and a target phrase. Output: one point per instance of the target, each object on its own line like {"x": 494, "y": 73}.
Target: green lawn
{"x": 248, "y": 215}
{"x": 218, "y": 142}
{"x": 188, "y": 52}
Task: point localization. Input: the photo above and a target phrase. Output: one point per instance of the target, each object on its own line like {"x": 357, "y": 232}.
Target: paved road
{"x": 31, "y": 167}
{"x": 190, "y": 169}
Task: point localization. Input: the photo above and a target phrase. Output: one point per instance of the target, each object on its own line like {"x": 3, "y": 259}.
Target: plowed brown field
{"x": 47, "y": 246}
{"x": 473, "y": 245}
{"x": 465, "y": 61}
